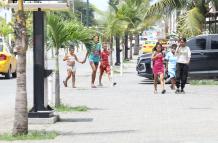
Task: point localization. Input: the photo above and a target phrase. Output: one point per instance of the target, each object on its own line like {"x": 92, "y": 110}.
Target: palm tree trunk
{"x": 131, "y": 38}
{"x": 57, "y": 78}
{"x": 52, "y": 52}
{"x": 126, "y": 46}
{"x": 136, "y": 46}
{"x": 21, "y": 117}
{"x": 117, "y": 51}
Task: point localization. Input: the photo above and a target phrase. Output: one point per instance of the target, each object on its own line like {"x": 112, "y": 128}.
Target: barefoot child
{"x": 105, "y": 66}
{"x": 158, "y": 67}
{"x": 70, "y": 59}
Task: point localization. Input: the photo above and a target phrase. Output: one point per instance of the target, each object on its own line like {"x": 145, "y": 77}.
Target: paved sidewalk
{"x": 131, "y": 113}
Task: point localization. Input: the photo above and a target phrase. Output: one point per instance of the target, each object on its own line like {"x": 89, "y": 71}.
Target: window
{"x": 214, "y": 42}
{"x": 198, "y": 43}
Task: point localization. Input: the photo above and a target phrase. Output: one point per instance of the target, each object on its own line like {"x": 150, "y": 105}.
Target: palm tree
{"x": 5, "y": 31}
{"x": 21, "y": 116}
{"x": 192, "y": 18}
{"x": 131, "y": 11}
{"x": 61, "y": 32}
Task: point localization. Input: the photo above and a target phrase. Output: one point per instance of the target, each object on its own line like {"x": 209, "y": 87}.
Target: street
{"x": 126, "y": 113}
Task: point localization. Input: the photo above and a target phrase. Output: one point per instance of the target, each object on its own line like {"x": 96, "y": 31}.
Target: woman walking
{"x": 94, "y": 58}
{"x": 158, "y": 67}
{"x": 183, "y": 54}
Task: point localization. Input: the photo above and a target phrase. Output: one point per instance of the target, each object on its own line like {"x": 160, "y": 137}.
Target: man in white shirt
{"x": 183, "y": 54}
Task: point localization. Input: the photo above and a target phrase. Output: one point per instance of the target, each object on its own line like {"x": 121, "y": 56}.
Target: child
{"x": 71, "y": 66}
{"x": 171, "y": 65}
{"x": 93, "y": 55}
{"x": 105, "y": 66}
{"x": 183, "y": 55}
{"x": 158, "y": 67}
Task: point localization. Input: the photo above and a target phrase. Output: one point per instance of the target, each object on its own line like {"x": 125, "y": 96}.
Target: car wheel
{"x": 14, "y": 75}
{"x": 8, "y": 75}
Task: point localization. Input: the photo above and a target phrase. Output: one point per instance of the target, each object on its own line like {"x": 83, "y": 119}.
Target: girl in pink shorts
{"x": 158, "y": 67}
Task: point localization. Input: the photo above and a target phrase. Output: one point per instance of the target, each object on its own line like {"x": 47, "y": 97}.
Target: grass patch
{"x": 32, "y": 135}
{"x": 67, "y": 108}
{"x": 203, "y": 82}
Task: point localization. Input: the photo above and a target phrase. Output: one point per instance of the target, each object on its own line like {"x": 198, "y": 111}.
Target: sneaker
{"x": 163, "y": 91}
{"x": 182, "y": 91}
{"x": 177, "y": 91}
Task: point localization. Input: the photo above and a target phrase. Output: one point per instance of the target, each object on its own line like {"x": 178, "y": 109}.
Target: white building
{"x": 6, "y": 14}
{"x": 172, "y": 22}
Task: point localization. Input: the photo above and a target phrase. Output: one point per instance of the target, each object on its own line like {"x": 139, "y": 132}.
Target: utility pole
{"x": 72, "y": 5}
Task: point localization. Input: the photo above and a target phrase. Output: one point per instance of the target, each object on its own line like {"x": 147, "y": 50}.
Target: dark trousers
{"x": 181, "y": 75}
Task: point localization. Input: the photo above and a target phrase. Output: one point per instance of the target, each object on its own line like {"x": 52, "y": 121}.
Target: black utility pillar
{"x": 39, "y": 110}
{"x": 117, "y": 51}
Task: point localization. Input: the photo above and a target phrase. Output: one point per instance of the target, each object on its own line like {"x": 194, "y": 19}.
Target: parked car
{"x": 148, "y": 46}
{"x": 203, "y": 63}
{"x": 7, "y": 62}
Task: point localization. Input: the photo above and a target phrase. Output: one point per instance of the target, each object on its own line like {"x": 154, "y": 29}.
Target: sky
{"x": 101, "y": 4}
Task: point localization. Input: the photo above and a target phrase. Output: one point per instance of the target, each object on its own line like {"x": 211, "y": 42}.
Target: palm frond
{"x": 164, "y": 7}
{"x": 191, "y": 22}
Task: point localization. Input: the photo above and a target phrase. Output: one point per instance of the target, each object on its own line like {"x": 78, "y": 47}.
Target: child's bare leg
{"x": 100, "y": 77}
{"x": 162, "y": 83}
{"x": 155, "y": 83}
{"x": 67, "y": 78}
{"x": 109, "y": 76}
{"x": 94, "y": 71}
{"x": 173, "y": 82}
{"x": 74, "y": 79}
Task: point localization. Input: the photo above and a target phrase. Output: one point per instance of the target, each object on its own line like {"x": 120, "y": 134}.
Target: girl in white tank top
{"x": 71, "y": 60}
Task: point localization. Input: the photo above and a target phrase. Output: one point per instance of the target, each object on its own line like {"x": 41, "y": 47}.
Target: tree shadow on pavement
{"x": 76, "y": 120}
{"x": 99, "y": 133}
{"x": 146, "y": 82}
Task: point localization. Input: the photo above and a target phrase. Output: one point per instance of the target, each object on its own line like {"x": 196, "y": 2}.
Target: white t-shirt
{"x": 183, "y": 55}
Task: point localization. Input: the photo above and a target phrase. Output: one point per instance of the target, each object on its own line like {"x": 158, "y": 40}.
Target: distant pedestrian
{"x": 183, "y": 54}
{"x": 71, "y": 60}
{"x": 105, "y": 66}
{"x": 158, "y": 67}
{"x": 94, "y": 58}
{"x": 171, "y": 65}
